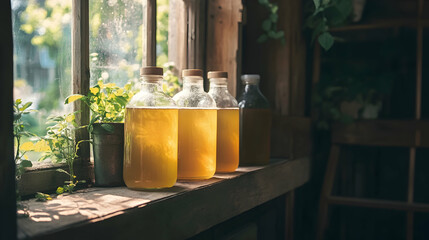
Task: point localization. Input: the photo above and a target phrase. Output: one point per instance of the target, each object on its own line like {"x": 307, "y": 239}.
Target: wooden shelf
{"x": 176, "y": 213}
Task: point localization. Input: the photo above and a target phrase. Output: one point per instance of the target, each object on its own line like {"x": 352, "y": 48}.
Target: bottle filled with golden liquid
{"x": 151, "y": 135}
{"x": 227, "y": 146}
{"x": 255, "y": 123}
{"x": 197, "y": 128}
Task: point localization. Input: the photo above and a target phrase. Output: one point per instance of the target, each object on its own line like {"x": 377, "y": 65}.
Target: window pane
{"x": 115, "y": 41}
{"x": 42, "y": 58}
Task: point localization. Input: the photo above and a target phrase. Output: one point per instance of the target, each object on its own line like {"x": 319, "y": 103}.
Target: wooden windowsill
{"x": 176, "y": 213}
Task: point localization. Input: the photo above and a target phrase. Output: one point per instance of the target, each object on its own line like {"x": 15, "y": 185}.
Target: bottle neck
{"x": 194, "y": 84}
{"x": 251, "y": 87}
{"x": 151, "y": 83}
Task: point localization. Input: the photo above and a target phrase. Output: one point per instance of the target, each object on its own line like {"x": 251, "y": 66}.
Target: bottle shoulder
{"x": 194, "y": 99}
{"x": 223, "y": 100}
{"x": 253, "y": 100}
{"x": 151, "y": 99}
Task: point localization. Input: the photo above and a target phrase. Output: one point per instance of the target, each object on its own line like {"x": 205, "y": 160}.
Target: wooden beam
{"x": 149, "y": 33}
{"x": 177, "y": 36}
{"x": 401, "y": 133}
{"x": 80, "y": 72}
{"x": 223, "y": 31}
{"x": 7, "y": 163}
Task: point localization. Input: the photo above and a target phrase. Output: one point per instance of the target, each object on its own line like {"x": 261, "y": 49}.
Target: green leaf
{"x": 266, "y": 25}
{"x": 63, "y": 171}
{"x": 26, "y": 163}
{"x": 26, "y": 105}
{"x": 326, "y": 40}
{"x": 73, "y": 98}
{"x": 274, "y": 17}
{"x": 316, "y": 4}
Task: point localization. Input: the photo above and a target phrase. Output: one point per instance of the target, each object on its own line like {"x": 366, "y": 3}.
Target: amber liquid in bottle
{"x": 227, "y": 150}
{"x": 151, "y": 136}
{"x": 255, "y": 126}
{"x": 197, "y": 143}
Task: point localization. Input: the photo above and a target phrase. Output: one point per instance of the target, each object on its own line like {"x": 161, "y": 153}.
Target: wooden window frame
{"x": 47, "y": 178}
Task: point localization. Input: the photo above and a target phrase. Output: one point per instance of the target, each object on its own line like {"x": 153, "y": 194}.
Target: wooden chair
{"x": 410, "y": 133}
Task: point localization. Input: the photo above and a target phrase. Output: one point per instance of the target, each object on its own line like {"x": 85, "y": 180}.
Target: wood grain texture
{"x": 177, "y": 213}
{"x": 7, "y": 163}
{"x": 177, "y": 36}
{"x": 149, "y": 33}
{"x": 281, "y": 66}
{"x": 291, "y": 137}
{"x": 223, "y": 34}
{"x": 80, "y": 72}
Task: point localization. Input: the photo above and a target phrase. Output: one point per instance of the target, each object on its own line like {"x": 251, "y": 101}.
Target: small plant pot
{"x": 108, "y": 151}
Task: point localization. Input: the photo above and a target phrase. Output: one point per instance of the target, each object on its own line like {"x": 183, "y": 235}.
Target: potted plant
{"x": 347, "y": 96}
{"x": 107, "y": 103}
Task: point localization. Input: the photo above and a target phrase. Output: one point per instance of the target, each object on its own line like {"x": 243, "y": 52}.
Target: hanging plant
{"x": 269, "y": 25}
{"x": 327, "y": 14}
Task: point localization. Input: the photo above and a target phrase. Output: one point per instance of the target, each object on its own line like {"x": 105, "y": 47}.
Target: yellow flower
{"x": 108, "y": 115}
{"x": 94, "y": 90}
{"x": 119, "y": 92}
{"x": 109, "y": 85}
{"x": 41, "y": 146}
{"x": 25, "y": 157}
{"x": 27, "y": 146}
{"x": 70, "y": 118}
{"x": 100, "y": 83}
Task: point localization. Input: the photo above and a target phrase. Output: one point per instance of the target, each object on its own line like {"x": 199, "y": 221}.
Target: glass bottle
{"x": 151, "y": 135}
{"x": 255, "y": 123}
{"x": 197, "y": 128}
{"x": 228, "y": 125}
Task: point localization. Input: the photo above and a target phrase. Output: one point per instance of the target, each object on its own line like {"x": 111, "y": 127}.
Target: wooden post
{"x": 7, "y": 163}
{"x": 149, "y": 33}
{"x": 223, "y": 32}
{"x": 177, "y": 35}
{"x": 80, "y": 71}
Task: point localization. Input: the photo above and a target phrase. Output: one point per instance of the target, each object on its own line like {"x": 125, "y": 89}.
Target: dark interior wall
{"x": 7, "y": 165}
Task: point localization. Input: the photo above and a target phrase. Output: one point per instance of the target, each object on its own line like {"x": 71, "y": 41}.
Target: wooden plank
{"x": 289, "y": 216}
{"x": 149, "y": 33}
{"x": 383, "y": 204}
{"x": 184, "y": 210}
{"x": 80, "y": 72}
{"x": 223, "y": 18}
{"x": 401, "y": 133}
{"x": 291, "y": 137}
{"x": 177, "y": 35}
{"x": 7, "y": 163}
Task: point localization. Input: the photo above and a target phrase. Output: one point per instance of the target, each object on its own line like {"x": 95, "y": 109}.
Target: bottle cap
{"x": 151, "y": 71}
{"x": 217, "y": 74}
{"x": 192, "y": 73}
{"x": 250, "y": 78}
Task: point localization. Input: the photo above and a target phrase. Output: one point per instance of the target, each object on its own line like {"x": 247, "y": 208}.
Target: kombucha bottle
{"x": 227, "y": 147}
{"x": 151, "y": 135}
{"x": 197, "y": 128}
{"x": 255, "y": 123}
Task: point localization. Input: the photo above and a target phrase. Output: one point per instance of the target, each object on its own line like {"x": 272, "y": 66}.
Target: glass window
{"x": 42, "y": 59}
{"x": 115, "y": 41}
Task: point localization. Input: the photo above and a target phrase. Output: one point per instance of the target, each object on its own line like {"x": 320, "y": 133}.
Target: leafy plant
{"x": 42, "y": 197}
{"x": 21, "y": 159}
{"x": 269, "y": 25}
{"x": 327, "y": 14}
{"x": 106, "y": 101}
{"x": 61, "y": 147}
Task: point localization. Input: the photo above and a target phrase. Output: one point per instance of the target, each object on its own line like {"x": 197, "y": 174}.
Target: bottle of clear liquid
{"x": 255, "y": 123}
{"x": 197, "y": 128}
{"x": 151, "y": 135}
{"x": 227, "y": 147}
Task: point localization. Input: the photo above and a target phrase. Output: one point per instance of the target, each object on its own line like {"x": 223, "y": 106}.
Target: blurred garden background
{"x": 42, "y": 51}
